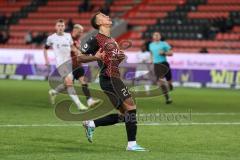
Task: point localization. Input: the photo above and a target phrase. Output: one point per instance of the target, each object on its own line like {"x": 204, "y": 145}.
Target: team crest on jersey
{"x": 85, "y": 47}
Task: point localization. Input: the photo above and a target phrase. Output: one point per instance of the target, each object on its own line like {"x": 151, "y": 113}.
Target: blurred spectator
{"x": 3, "y": 19}
{"x": 146, "y": 44}
{"x": 70, "y": 25}
{"x": 4, "y": 36}
{"x": 85, "y": 6}
{"x": 229, "y": 24}
{"x": 145, "y": 56}
{"x": 28, "y": 38}
{"x": 39, "y": 38}
{"x": 106, "y": 9}
{"x": 109, "y": 2}
{"x": 12, "y": 1}
{"x": 205, "y": 31}
{"x": 223, "y": 24}
{"x": 203, "y": 50}
{"x": 209, "y": 30}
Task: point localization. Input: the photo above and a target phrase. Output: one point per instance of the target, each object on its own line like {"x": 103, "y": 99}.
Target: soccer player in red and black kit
{"x": 111, "y": 83}
{"x": 78, "y": 70}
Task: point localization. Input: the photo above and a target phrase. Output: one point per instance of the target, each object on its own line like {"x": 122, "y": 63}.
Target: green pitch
{"x": 202, "y": 124}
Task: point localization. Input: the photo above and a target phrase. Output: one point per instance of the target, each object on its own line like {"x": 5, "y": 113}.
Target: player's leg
{"x": 90, "y": 101}
{"x": 68, "y": 80}
{"x": 53, "y": 92}
{"x": 129, "y": 116}
{"x": 169, "y": 77}
{"x": 108, "y": 88}
{"x": 62, "y": 70}
{"x": 110, "y": 119}
{"x": 164, "y": 87}
{"x": 168, "y": 82}
{"x": 120, "y": 98}
{"x": 158, "y": 68}
{"x": 78, "y": 74}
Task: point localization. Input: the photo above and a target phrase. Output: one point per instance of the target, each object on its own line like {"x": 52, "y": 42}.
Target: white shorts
{"x": 65, "y": 70}
{"x": 140, "y": 73}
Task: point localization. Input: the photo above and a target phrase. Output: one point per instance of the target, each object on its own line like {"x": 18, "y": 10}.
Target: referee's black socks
{"x": 86, "y": 91}
{"x": 165, "y": 91}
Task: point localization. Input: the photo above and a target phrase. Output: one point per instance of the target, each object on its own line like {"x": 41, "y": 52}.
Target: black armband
{"x": 46, "y": 46}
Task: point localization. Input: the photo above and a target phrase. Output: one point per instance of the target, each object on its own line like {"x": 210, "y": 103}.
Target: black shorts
{"x": 78, "y": 72}
{"x": 119, "y": 91}
{"x": 163, "y": 70}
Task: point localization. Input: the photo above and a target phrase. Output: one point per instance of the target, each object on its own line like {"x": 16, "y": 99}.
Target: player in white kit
{"x": 144, "y": 59}
{"x": 62, "y": 45}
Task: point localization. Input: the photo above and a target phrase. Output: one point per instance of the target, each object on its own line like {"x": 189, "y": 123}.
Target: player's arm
{"x": 45, "y": 50}
{"x": 75, "y": 50}
{"x": 167, "y": 51}
{"x": 83, "y": 58}
{"x": 121, "y": 56}
{"x": 90, "y": 51}
{"x": 151, "y": 57}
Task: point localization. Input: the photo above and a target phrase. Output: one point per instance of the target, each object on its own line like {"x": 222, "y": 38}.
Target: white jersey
{"x": 144, "y": 57}
{"x": 61, "y": 45}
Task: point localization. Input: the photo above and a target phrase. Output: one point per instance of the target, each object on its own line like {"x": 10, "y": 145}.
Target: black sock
{"x": 86, "y": 91}
{"x": 170, "y": 87}
{"x": 109, "y": 120}
{"x": 131, "y": 124}
{"x": 165, "y": 91}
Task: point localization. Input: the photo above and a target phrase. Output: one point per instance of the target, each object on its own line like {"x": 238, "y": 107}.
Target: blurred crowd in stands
{"x": 4, "y": 35}
{"x": 220, "y": 24}
{"x": 37, "y": 39}
{"x": 87, "y": 6}
{"x": 207, "y": 32}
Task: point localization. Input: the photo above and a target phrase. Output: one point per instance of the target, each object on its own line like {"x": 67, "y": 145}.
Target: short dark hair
{"x": 94, "y": 21}
{"x": 60, "y": 21}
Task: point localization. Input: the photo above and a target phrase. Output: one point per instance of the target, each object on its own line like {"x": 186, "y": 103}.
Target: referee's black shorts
{"x": 118, "y": 90}
{"x": 78, "y": 72}
{"x": 163, "y": 70}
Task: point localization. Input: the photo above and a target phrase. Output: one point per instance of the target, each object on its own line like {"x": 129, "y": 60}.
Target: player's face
{"x": 103, "y": 19}
{"x": 60, "y": 27}
{"x": 77, "y": 32}
{"x": 156, "y": 36}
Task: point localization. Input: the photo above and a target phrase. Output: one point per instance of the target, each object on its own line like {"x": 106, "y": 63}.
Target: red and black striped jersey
{"x": 110, "y": 63}
{"x": 77, "y": 44}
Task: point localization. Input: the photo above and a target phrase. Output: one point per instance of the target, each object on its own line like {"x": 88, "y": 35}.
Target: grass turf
{"x": 26, "y": 103}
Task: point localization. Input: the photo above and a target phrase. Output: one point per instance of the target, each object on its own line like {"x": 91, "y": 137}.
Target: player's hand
{"x": 161, "y": 52}
{"x": 100, "y": 54}
{"x": 121, "y": 56}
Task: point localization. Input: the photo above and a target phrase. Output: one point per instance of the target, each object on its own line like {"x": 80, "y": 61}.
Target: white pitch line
{"x": 193, "y": 113}
{"x": 141, "y": 124}
{"x": 215, "y": 114}
{"x": 40, "y": 125}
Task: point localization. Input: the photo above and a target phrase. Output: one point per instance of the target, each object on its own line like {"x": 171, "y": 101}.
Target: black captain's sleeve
{"x": 90, "y": 46}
